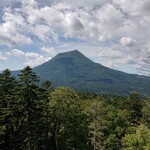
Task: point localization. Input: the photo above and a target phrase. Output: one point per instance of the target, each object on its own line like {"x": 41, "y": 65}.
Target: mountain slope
{"x": 75, "y": 70}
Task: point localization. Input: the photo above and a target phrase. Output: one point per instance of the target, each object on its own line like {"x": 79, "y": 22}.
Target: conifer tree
{"x": 8, "y": 111}
{"x": 31, "y": 109}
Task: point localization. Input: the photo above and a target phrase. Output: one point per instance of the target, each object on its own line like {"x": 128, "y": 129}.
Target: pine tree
{"x": 31, "y": 109}
{"x": 45, "y": 91}
{"x": 8, "y": 111}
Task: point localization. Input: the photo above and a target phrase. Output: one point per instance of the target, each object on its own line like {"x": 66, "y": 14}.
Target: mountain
{"x": 76, "y": 71}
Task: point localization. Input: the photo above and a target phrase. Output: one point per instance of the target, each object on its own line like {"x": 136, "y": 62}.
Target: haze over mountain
{"x": 76, "y": 71}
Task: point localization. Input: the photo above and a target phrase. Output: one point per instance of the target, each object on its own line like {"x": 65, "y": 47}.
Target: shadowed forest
{"x": 38, "y": 117}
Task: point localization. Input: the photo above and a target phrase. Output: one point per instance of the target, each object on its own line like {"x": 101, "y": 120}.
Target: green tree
{"x": 134, "y": 105}
{"x": 96, "y": 114}
{"x": 68, "y": 128}
{"x": 8, "y": 111}
{"x": 140, "y": 140}
{"x": 146, "y": 112}
{"x": 108, "y": 123}
{"x": 45, "y": 90}
{"x": 46, "y": 85}
{"x": 31, "y": 109}
{"x": 115, "y": 125}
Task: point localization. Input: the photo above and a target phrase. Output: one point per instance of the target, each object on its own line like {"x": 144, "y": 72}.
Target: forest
{"x": 36, "y": 116}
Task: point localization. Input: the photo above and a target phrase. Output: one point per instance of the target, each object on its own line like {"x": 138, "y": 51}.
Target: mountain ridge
{"x": 78, "y": 72}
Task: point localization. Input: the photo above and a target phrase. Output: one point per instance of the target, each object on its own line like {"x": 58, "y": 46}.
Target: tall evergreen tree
{"x": 45, "y": 91}
{"x": 31, "y": 109}
{"x": 8, "y": 111}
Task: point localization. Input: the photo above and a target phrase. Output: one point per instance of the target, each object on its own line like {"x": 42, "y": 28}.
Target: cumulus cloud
{"x": 44, "y": 33}
{"x": 119, "y": 27}
{"x": 85, "y": 24}
{"x": 9, "y": 35}
{"x": 12, "y": 29}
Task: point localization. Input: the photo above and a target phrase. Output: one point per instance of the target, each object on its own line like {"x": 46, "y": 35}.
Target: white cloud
{"x": 134, "y": 7}
{"x": 110, "y": 53}
{"x": 44, "y": 33}
{"x": 2, "y": 57}
{"x": 29, "y": 58}
{"x": 9, "y": 36}
{"x": 110, "y": 16}
{"x": 13, "y": 28}
{"x": 127, "y": 41}
{"x": 120, "y": 26}
{"x": 16, "y": 19}
{"x": 37, "y": 61}
{"x": 49, "y": 50}
{"x": 83, "y": 3}
{"x": 20, "y": 53}
{"x": 85, "y": 24}
{"x": 31, "y": 54}
{"x": 29, "y": 2}
{"x": 17, "y": 53}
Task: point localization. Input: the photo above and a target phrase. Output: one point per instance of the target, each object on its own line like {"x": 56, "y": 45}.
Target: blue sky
{"x": 114, "y": 33}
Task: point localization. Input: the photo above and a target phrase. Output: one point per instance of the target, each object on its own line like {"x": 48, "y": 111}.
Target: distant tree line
{"x": 38, "y": 117}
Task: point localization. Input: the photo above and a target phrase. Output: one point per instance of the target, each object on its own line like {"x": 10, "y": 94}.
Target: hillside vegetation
{"x": 74, "y": 70}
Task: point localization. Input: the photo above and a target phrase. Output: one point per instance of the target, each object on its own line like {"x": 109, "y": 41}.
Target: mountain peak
{"x": 74, "y": 55}
{"x": 75, "y": 52}
{"x": 78, "y": 72}
{"x": 70, "y": 53}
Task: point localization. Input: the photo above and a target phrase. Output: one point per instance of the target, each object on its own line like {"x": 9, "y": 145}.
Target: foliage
{"x": 140, "y": 140}
{"x": 68, "y": 123}
{"x": 34, "y": 116}
{"x": 9, "y": 109}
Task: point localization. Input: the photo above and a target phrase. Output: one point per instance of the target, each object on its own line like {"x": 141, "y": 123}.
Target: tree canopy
{"x": 36, "y": 116}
